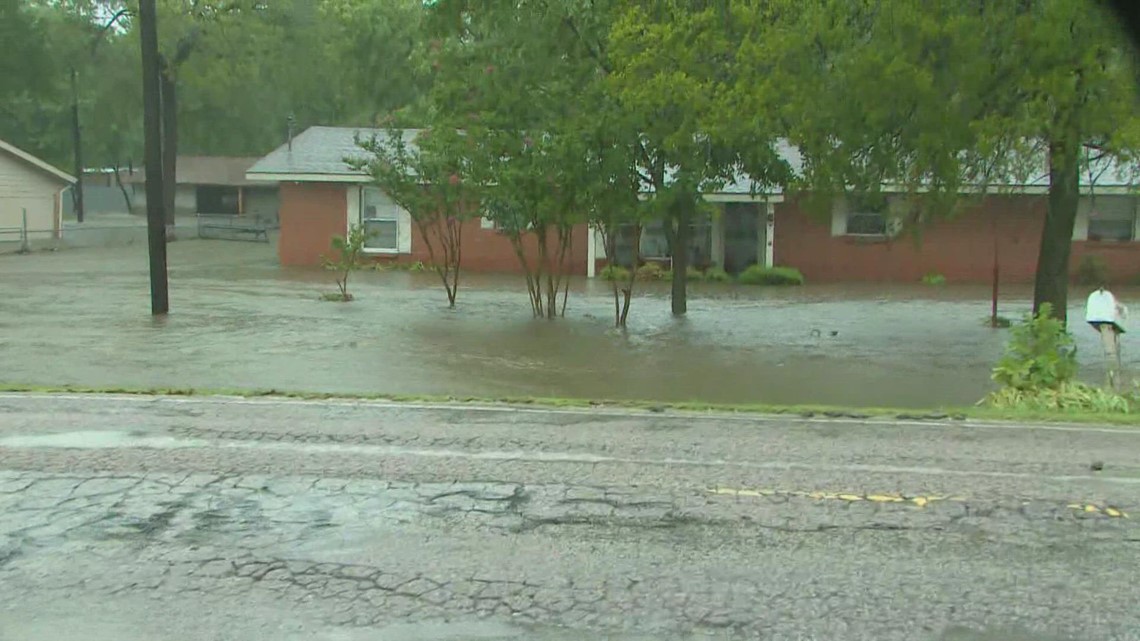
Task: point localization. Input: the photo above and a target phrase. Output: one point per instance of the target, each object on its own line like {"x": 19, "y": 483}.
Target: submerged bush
{"x": 652, "y": 271}
{"x": 1092, "y": 270}
{"x": 760, "y": 275}
{"x": 717, "y": 275}
{"x": 934, "y": 278}
{"x": 614, "y": 272}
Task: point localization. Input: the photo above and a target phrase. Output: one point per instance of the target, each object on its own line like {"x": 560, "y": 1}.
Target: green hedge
{"x": 760, "y": 275}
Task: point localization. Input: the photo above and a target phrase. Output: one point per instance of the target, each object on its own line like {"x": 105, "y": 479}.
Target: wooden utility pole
{"x": 152, "y": 136}
{"x": 77, "y": 146}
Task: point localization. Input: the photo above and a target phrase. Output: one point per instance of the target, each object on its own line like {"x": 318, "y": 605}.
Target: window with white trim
{"x": 866, "y": 223}
{"x": 380, "y": 218}
{"x": 1112, "y": 218}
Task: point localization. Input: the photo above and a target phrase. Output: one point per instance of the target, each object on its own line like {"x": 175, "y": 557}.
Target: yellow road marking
{"x": 917, "y": 501}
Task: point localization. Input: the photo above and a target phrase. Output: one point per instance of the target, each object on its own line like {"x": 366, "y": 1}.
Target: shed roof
{"x": 227, "y": 171}
{"x": 36, "y": 163}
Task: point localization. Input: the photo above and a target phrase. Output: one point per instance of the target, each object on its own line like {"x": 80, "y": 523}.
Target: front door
{"x": 743, "y": 236}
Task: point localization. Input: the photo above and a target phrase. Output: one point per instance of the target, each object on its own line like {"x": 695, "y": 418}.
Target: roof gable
{"x": 29, "y": 159}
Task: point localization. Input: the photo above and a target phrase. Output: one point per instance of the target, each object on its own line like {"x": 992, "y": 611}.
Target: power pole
{"x": 152, "y": 136}
{"x": 77, "y": 147}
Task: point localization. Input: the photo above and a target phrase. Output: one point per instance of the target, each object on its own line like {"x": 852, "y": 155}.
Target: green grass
{"x": 760, "y": 275}
{"x": 950, "y": 414}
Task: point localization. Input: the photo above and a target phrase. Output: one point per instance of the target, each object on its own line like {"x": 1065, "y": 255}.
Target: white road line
{"x": 599, "y": 412}
{"x": 116, "y": 440}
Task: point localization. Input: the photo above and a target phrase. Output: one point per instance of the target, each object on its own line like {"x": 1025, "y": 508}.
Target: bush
{"x": 934, "y": 278}
{"x": 693, "y": 273}
{"x": 1040, "y": 355}
{"x": 615, "y": 272}
{"x": 717, "y": 275}
{"x": 651, "y": 271}
{"x": 1091, "y": 271}
{"x": 1068, "y": 397}
{"x": 760, "y": 275}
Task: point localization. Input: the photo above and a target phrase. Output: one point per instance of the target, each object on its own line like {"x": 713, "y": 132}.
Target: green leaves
{"x": 1040, "y": 354}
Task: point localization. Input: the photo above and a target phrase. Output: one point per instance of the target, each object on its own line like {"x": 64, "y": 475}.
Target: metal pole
{"x": 152, "y": 128}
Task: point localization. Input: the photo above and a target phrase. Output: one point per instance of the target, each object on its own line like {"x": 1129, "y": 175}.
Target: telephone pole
{"x": 152, "y": 136}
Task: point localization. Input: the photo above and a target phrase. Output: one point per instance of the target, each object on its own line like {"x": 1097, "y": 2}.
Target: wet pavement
{"x": 81, "y": 316}
{"x": 132, "y": 518}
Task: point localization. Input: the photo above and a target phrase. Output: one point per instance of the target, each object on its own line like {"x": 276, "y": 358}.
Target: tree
{"x": 517, "y": 79}
{"x": 428, "y": 176}
{"x": 349, "y": 249}
{"x": 980, "y": 94}
{"x": 668, "y": 64}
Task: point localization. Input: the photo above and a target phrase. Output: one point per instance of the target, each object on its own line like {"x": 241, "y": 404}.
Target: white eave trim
{"x": 307, "y": 178}
{"x": 743, "y": 198}
{"x": 36, "y": 162}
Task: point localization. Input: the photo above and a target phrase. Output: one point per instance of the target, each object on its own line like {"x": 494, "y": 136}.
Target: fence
{"x": 18, "y": 234}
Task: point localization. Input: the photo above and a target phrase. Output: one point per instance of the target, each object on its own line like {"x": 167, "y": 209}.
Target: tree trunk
{"x": 682, "y": 217}
{"x": 122, "y": 188}
{"x": 169, "y": 146}
{"x": 1052, "y": 281}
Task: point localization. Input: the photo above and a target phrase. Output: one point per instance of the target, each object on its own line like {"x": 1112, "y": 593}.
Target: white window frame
{"x": 391, "y": 213}
{"x": 1090, "y": 207}
{"x": 842, "y": 212}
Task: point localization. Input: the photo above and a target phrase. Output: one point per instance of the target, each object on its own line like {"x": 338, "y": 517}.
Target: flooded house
{"x": 211, "y": 186}
{"x": 321, "y": 196}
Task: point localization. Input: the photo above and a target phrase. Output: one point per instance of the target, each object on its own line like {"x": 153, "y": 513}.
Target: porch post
{"x": 769, "y": 232}
{"x": 717, "y": 249}
{"x": 591, "y": 250}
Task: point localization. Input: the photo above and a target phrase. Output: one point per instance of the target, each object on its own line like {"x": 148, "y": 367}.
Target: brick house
{"x": 321, "y": 197}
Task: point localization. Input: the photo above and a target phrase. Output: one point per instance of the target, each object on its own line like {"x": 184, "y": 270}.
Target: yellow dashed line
{"x": 917, "y": 501}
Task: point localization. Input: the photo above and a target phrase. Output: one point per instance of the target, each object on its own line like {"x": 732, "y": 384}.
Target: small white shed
{"x": 29, "y": 186}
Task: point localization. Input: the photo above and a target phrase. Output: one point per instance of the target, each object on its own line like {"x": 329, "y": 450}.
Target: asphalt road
{"x": 132, "y": 518}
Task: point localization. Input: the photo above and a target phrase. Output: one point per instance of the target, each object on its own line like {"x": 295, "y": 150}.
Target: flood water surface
{"x": 237, "y": 320}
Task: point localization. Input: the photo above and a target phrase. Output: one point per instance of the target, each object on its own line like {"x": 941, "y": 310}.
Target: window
{"x": 654, "y": 244}
{"x": 217, "y": 200}
{"x": 381, "y": 221}
{"x": 870, "y": 223}
{"x": 1112, "y": 219}
{"x": 382, "y": 234}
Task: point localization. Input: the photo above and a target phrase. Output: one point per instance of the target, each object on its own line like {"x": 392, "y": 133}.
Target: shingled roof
{"x": 318, "y": 153}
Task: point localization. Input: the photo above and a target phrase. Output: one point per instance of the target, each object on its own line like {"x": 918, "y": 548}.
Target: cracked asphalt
{"x": 157, "y": 518}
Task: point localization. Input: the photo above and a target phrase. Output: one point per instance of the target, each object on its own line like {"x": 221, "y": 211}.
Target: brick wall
{"x": 310, "y": 215}
{"x": 486, "y": 250}
{"x": 961, "y": 249}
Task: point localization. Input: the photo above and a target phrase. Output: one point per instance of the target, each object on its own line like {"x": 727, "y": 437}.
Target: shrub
{"x": 349, "y": 250}
{"x": 1092, "y": 270}
{"x": 1068, "y": 397}
{"x": 934, "y": 278}
{"x": 417, "y": 266}
{"x": 692, "y": 273}
{"x": 717, "y": 275}
{"x": 760, "y": 275}
{"x": 1040, "y": 354}
{"x": 615, "y": 272}
{"x": 650, "y": 271}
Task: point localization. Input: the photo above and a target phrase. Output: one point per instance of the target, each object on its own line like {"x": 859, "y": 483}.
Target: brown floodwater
{"x": 81, "y": 316}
